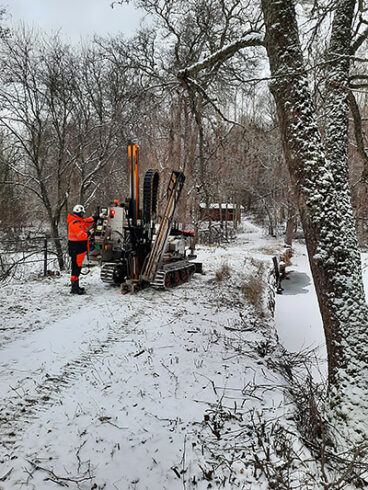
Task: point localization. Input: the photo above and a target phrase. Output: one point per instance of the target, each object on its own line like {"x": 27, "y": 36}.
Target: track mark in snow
{"x": 21, "y": 408}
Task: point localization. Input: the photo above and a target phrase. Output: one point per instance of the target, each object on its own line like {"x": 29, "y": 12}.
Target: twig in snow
{"x": 175, "y": 470}
{"x": 173, "y": 375}
{"x": 61, "y": 480}
{"x": 96, "y": 375}
{"x": 210, "y": 380}
{"x": 107, "y": 420}
{"x": 183, "y": 462}
{"x": 29, "y": 473}
{"x": 3, "y": 478}
{"x": 15, "y": 391}
{"x": 78, "y": 458}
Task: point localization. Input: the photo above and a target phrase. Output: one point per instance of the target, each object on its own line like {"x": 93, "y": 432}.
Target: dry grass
{"x": 223, "y": 273}
{"x": 286, "y": 257}
{"x": 253, "y": 288}
{"x": 269, "y": 251}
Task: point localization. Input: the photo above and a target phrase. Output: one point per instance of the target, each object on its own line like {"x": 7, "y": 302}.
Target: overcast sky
{"x": 77, "y": 19}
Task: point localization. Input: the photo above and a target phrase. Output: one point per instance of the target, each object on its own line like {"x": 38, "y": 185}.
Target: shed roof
{"x": 217, "y": 206}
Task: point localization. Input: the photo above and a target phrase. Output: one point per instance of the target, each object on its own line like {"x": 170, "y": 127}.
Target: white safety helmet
{"x": 79, "y": 209}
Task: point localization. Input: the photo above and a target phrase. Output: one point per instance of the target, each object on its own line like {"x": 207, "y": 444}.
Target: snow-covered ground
{"x": 160, "y": 390}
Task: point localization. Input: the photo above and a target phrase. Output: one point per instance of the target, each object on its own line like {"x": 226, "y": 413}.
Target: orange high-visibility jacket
{"x": 77, "y": 227}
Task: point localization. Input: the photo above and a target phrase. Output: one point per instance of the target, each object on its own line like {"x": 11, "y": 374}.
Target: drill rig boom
{"x": 134, "y": 251}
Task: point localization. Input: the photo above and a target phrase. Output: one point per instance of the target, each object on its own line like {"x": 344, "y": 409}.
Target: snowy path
{"x": 112, "y": 391}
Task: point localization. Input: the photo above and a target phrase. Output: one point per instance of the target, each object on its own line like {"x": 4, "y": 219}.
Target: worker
{"x": 78, "y": 243}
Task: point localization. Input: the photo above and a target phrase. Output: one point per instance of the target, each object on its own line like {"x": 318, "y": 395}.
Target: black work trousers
{"x": 77, "y": 252}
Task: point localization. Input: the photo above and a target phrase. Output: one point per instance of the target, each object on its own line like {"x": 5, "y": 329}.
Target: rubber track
{"x": 150, "y": 194}
{"x": 161, "y": 281}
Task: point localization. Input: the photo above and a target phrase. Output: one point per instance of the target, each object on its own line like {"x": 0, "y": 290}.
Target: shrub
{"x": 223, "y": 273}
{"x": 253, "y": 287}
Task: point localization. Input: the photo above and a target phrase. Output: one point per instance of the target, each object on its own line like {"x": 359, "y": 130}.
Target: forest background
{"x": 68, "y": 112}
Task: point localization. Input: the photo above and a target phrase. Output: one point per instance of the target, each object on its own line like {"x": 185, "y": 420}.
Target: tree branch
{"x": 220, "y": 56}
{"x": 359, "y": 41}
{"x": 358, "y": 131}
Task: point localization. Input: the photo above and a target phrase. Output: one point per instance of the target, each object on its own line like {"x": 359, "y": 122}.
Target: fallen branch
{"x": 3, "y": 478}
{"x": 59, "y": 479}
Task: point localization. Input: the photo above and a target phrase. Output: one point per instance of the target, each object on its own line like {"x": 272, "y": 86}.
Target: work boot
{"x": 76, "y": 289}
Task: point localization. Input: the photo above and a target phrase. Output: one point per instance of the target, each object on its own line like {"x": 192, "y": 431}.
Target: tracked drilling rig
{"x": 139, "y": 247}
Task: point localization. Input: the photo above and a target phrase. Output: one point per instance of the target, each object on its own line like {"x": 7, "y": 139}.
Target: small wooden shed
{"x": 215, "y": 212}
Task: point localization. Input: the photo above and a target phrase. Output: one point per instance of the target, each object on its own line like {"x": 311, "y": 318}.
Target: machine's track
{"x": 150, "y": 193}
{"x": 173, "y": 275}
{"x": 112, "y": 273}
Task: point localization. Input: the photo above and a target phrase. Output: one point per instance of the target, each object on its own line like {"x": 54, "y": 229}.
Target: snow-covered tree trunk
{"x": 320, "y": 176}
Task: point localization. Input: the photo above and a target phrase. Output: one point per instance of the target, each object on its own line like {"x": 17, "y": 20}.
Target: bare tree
{"x": 11, "y": 209}
{"x": 186, "y": 33}
{"x": 36, "y": 103}
{"x": 98, "y": 121}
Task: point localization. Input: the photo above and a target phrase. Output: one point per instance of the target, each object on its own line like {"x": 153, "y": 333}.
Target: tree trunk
{"x": 58, "y": 246}
{"x": 290, "y": 229}
{"x": 291, "y": 224}
{"x": 321, "y": 187}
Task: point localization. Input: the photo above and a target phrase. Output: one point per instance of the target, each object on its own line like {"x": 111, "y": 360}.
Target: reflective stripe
{"x": 73, "y": 237}
{"x": 80, "y": 258}
{"x": 76, "y": 236}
